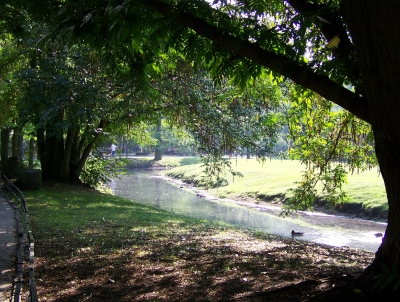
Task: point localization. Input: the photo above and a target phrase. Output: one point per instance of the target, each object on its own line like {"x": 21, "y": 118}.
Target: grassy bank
{"x": 166, "y": 162}
{"x": 270, "y": 181}
{"x": 97, "y": 247}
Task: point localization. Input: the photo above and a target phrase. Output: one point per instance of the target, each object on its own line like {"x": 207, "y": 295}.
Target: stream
{"x": 148, "y": 187}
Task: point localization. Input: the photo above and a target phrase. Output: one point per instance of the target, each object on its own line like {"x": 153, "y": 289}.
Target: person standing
{"x": 113, "y": 149}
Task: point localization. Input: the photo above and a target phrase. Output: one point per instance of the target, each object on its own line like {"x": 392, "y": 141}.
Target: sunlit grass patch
{"x": 271, "y": 180}
{"x": 167, "y": 162}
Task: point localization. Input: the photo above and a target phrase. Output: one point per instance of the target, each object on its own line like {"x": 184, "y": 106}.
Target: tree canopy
{"x": 346, "y": 51}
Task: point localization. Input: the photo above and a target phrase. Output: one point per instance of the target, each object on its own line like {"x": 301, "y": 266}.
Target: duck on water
{"x": 297, "y": 233}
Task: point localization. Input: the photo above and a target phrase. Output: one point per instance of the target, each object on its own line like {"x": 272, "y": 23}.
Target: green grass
{"x": 62, "y": 210}
{"x": 368, "y": 189}
{"x": 168, "y": 162}
{"x": 271, "y": 180}
{"x": 101, "y": 247}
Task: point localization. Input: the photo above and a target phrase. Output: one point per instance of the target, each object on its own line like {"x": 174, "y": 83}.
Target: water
{"x": 146, "y": 187}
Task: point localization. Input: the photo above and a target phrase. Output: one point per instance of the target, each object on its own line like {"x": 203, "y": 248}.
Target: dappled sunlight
{"x": 242, "y": 243}
{"x": 205, "y": 261}
{"x": 244, "y": 213}
{"x": 139, "y": 253}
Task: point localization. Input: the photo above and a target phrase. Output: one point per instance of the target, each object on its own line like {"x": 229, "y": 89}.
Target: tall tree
{"x": 11, "y": 61}
{"x": 158, "y": 151}
{"x": 321, "y": 45}
{"x": 71, "y": 102}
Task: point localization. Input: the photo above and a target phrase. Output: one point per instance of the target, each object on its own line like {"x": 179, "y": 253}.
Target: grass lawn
{"x": 167, "y": 161}
{"x": 271, "y": 180}
{"x": 91, "y": 246}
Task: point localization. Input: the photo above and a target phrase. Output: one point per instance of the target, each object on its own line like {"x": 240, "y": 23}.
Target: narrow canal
{"x": 147, "y": 187}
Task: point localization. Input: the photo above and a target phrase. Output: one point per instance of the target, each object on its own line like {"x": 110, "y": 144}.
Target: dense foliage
{"x": 304, "y": 42}
{"x": 346, "y": 51}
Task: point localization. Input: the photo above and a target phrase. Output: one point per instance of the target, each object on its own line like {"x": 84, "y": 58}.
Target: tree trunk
{"x": 20, "y": 146}
{"x": 50, "y": 151}
{"x": 5, "y": 141}
{"x": 374, "y": 28}
{"x": 85, "y": 153}
{"x": 65, "y": 162}
{"x": 17, "y": 149}
{"x": 14, "y": 144}
{"x": 75, "y": 152}
{"x": 158, "y": 153}
{"x": 31, "y": 152}
{"x": 57, "y": 156}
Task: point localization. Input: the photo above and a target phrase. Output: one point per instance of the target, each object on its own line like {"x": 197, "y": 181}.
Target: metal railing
{"x": 24, "y": 231}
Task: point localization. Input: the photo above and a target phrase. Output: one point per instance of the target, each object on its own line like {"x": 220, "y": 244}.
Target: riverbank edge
{"x": 354, "y": 211}
{"x": 139, "y": 262}
{"x": 272, "y": 208}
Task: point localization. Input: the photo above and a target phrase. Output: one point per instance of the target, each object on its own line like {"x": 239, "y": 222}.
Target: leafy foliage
{"x": 158, "y": 44}
{"x": 174, "y": 140}
{"x": 70, "y": 100}
{"x": 99, "y": 171}
{"x": 222, "y": 119}
{"x": 215, "y": 171}
{"x": 11, "y": 60}
{"x": 330, "y": 142}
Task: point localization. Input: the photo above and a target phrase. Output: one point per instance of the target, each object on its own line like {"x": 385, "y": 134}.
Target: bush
{"x": 99, "y": 170}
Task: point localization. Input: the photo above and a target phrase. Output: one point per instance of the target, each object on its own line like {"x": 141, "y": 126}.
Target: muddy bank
{"x": 354, "y": 211}
{"x": 275, "y": 206}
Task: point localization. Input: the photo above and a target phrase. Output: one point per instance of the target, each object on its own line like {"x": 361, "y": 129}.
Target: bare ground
{"x": 207, "y": 266}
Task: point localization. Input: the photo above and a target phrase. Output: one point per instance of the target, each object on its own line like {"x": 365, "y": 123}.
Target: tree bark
{"x": 374, "y": 28}
{"x": 75, "y": 152}
{"x": 49, "y": 154}
{"x": 158, "y": 153}
{"x": 65, "y": 162}
{"x": 86, "y": 151}
{"x": 31, "y": 152}
{"x": 14, "y": 144}
{"x": 84, "y": 157}
{"x": 17, "y": 144}
{"x": 20, "y": 146}
{"x": 5, "y": 141}
{"x": 57, "y": 155}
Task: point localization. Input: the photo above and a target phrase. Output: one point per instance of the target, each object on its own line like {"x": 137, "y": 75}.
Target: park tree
{"x": 71, "y": 102}
{"x": 175, "y": 140}
{"x": 346, "y": 51}
{"x": 222, "y": 118}
{"x": 158, "y": 152}
{"x": 12, "y": 59}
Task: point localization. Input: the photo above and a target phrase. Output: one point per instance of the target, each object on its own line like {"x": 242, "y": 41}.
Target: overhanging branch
{"x": 298, "y": 73}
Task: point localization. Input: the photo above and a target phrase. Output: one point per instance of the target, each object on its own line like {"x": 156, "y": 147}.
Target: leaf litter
{"x": 203, "y": 263}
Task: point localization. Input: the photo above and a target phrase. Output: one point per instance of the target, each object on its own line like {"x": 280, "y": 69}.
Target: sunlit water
{"x": 146, "y": 187}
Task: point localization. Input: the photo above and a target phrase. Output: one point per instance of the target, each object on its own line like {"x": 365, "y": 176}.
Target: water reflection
{"x": 146, "y": 188}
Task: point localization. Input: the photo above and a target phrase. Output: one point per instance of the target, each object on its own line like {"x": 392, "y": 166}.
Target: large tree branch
{"x": 295, "y": 71}
{"x": 89, "y": 147}
{"x": 331, "y": 25}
